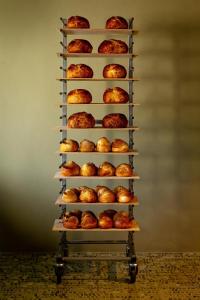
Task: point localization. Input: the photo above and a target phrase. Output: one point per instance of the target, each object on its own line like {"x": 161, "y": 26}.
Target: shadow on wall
{"x": 169, "y": 143}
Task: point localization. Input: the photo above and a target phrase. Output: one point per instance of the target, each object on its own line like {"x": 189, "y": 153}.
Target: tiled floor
{"x": 166, "y": 276}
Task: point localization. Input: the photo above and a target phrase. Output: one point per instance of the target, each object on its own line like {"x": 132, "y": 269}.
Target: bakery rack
{"x": 63, "y": 252}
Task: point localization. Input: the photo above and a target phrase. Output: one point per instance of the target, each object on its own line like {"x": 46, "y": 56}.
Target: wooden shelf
{"x": 98, "y": 31}
{"x": 59, "y": 201}
{"x": 59, "y": 176}
{"x": 100, "y": 104}
{"x": 58, "y": 226}
{"x": 98, "y": 79}
{"x": 97, "y": 128}
{"x": 135, "y": 152}
{"x": 124, "y": 55}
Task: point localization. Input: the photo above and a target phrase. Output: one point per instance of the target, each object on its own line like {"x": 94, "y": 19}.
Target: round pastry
{"x": 115, "y": 95}
{"x": 68, "y": 146}
{"x": 78, "y": 22}
{"x": 124, "y": 170}
{"x": 119, "y": 145}
{"x": 121, "y": 220}
{"x": 105, "y": 222}
{"x": 88, "y": 169}
{"x": 100, "y": 188}
{"x": 69, "y": 196}
{"x": 79, "y": 96}
{"x": 109, "y": 212}
{"x": 123, "y": 195}
{"x": 113, "y": 46}
{"x": 87, "y": 146}
{"x": 87, "y": 195}
{"x": 114, "y": 71}
{"x": 105, "y": 195}
{"x": 115, "y": 120}
{"x": 79, "y": 46}
{"x": 71, "y": 220}
{"x": 106, "y": 169}
{"x": 79, "y": 71}
{"x": 81, "y": 120}
{"x": 70, "y": 168}
{"x": 88, "y": 220}
{"x": 116, "y": 22}
{"x": 103, "y": 145}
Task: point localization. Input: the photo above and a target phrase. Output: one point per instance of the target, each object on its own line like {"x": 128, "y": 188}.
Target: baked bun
{"x": 124, "y": 170}
{"x": 79, "y": 96}
{"x": 119, "y": 145}
{"x": 114, "y": 71}
{"x": 68, "y": 146}
{"x": 106, "y": 169}
{"x": 115, "y": 95}
{"x": 116, "y": 22}
{"x": 70, "y": 168}
{"x": 88, "y": 220}
{"x": 81, "y": 120}
{"x": 109, "y": 212}
{"x": 78, "y": 22}
{"x": 69, "y": 196}
{"x": 105, "y": 222}
{"x": 100, "y": 188}
{"x": 79, "y": 46}
{"x": 113, "y": 46}
{"x": 87, "y": 195}
{"x": 79, "y": 71}
{"x": 88, "y": 169}
{"x": 105, "y": 195}
{"x": 121, "y": 220}
{"x": 103, "y": 145}
{"x": 115, "y": 120}
{"x": 71, "y": 220}
{"x": 123, "y": 195}
{"x": 87, "y": 146}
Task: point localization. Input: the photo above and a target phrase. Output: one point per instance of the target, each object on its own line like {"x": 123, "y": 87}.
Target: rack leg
{"x": 59, "y": 269}
{"x": 130, "y": 251}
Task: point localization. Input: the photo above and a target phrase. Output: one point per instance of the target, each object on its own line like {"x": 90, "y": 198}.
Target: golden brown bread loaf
{"x": 119, "y": 145}
{"x": 105, "y": 222}
{"x": 103, "y": 145}
{"x": 116, "y": 22}
{"x": 79, "y": 71}
{"x": 87, "y": 146}
{"x": 88, "y": 169}
{"x": 123, "y": 195}
{"x": 79, "y": 46}
{"x": 115, "y": 120}
{"x": 114, "y": 71}
{"x": 70, "y": 196}
{"x": 113, "y": 46}
{"x": 68, "y": 146}
{"x": 121, "y": 220}
{"x": 70, "y": 168}
{"x": 78, "y": 22}
{"x": 81, "y": 120}
{"x": 88, "y": 220}
{"x": 106, "y": 169}
{"x": 79, "y": 96}
{"x": 105, "y": 195}
{"x": 87, "y": 195}
{"x": 124, "y": 170}
{"x": 115, "y": 95}
{"x": 71, "y": 220}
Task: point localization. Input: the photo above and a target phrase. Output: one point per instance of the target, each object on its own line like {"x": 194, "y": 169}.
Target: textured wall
{"x": 169, "y": 66}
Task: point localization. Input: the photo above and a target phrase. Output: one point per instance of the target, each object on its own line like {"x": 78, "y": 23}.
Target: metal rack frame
{"x": 62, "y": 256}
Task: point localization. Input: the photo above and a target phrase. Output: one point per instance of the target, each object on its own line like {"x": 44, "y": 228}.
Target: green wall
{"x": 169, "y": 68}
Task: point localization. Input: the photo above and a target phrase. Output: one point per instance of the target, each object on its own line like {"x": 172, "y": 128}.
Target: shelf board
{"x": 59, "y": 201}
{"x": 134, "y": 152}
{"x": 124, "y": 55}
{"x": 59, "y": 176}
{"x": 98, "y": 31}
{"x": 98, "y": 128}
{"x": 58, "y": 226}
{"x": 98, "y": 79}
{"x": 100, "y": 104}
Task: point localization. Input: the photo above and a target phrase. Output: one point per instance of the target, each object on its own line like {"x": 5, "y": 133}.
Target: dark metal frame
{"x": 62, "y": 255}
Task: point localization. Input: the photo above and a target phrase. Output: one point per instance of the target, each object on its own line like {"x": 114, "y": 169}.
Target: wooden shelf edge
{"x": 101, "y": 104}
{"x": 134, "y": 153}
{"x": 97, "y": 128}
{"x": 58, "y": 176}
{"x": 57, "y": 226}
{"x": 124, "y": 55}
{"x": 98, "y": 31}
{"x": 98, "y": 79}
{"x": 59, "y": 201}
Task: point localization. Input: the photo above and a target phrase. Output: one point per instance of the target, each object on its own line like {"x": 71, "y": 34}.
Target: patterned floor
{"x": 162, "y": 276}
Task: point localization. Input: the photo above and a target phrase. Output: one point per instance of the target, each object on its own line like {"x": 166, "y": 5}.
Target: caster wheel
{"x": 133, "y": 270}
{"x": 59, "y": 271}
